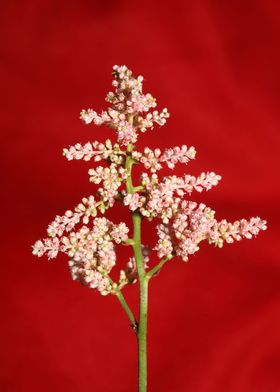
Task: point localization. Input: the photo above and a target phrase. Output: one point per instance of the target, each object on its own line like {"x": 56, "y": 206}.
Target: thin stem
{"x": 142, "y": 336}
{"x": 126, "y": 308}
{"x": 143, "y": 306}
{"x": 138, "y": 188}
{"x": 158, "y": 267}
{"x": 143, "y": 281}
{"x": 123, "y": 302}
{"x": 128, "y": 165}
{"x": 129, "y": 241}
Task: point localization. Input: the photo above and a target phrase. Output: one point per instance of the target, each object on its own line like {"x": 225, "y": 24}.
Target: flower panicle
{"x": 91, "y": 251}
{"x": 127, "y": 101}
{"x": 90, "y": 240}
{"x": 194, "y": 223}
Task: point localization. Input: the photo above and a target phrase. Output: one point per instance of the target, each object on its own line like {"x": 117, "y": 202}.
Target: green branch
{"x": 126, "y": 308}
{"x": 155, "y": 270}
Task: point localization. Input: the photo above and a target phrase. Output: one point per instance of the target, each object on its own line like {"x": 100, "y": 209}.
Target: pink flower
{"x": 95, "y": 150}
{"x": 112, "y": 178}
{"x": 66, "y": 222}
{"x": 133, "y": 200}
{"x": 177, "y": 154}
{"x": 50, "y": 246}
{"x": 119, "y": 233}
{"x": 164, "y": 246}
{"x": 89, "y": 116}
{"x": 126, "y": 133}
{"x": 152, "y": 159}
{"x": 141, "y": 103}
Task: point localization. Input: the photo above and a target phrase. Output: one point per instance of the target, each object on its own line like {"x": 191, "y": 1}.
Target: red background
{"x": 213, "y": 322}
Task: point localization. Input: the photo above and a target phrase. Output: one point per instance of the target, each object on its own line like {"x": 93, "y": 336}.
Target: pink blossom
{"x": 90, "y": 277}
{"x": 148, "y": 121}
{"x": 164, "y": 246}
{"x": 90, "y": 115}
{"x": 177, "y": 154}
{"x": 141, "y": 103}
{"x": 225, "y": 231}
{"x": 162, "y": 199}
{"x": 133, "y": 200}
{"x": 119, "y": 233}
{"x": 127, "y": 100}
{"x": 38, "y": 249}
{"x": 126, "y": 133}
{"x": 152, "y": 159}
{"x": 50, "y": 246}
{"x": 112, "y": 178}
{"x": 87, "y": 208}
{"x": 194, "y": 223}
{"x": 149, "y": 158}
{"x": 91, "y": 251}
{"x": 95, "y": 150}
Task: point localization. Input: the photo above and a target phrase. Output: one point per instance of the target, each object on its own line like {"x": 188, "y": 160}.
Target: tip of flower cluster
{"x": 127, "y": 101}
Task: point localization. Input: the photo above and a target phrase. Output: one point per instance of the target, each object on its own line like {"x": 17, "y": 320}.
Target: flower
{"x": 126, "y": 133}
{"x": 89, "y": 116}
{"x": 119, "y": 233}
{"x": 112, "y": 178}
{"x": 133, "y": 200}
{"x": 50, "y": 246}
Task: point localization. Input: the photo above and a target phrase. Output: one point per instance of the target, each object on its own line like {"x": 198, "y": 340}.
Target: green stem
{"x": 143, "y": 281}
{"x": 123, "y": 302}
{"x": 142, "y": 336}
{"x": 158, "y": 267}
{"x": 126, "y": 308}
{"x": 143, "y": 305}
{"x": 138, "y": 188}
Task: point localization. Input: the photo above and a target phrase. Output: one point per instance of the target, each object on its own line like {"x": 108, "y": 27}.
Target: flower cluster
{"x": 83, "y": 211}
{"x": 97, "y": 151}
{"x": 162, "y": 199}
{"x": 194, "y": 223}
{"x": 91, "y": 251}
{"x": 171, "y": 156}
{"x": 127, "y": 102}
{"x": 111, "y": 178}
{"x": 90, "y": 241}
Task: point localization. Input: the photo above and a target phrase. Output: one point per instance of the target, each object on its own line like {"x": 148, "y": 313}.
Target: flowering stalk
{"x": 90, "y": 240}
{"x": 143, "y": 281}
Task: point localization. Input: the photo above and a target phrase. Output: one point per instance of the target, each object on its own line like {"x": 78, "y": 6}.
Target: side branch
{"x": 127, "y": 309}
{"x": 158, "y": 267}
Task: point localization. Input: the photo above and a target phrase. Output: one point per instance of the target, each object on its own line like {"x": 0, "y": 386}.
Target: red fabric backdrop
{"x": 213, "y": 322}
